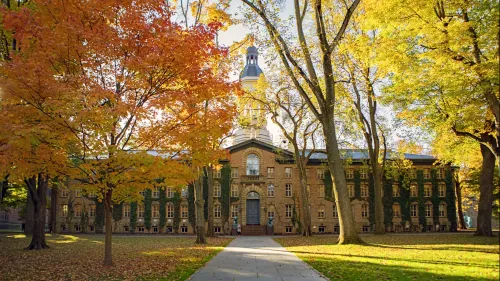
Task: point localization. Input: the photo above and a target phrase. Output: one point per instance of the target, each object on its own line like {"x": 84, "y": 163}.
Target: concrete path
{"x": 256, "y": 258}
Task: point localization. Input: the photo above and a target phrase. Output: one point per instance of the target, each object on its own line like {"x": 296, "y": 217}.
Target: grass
{"x": 80, "y": 257}
{"x": 401, "y": 257}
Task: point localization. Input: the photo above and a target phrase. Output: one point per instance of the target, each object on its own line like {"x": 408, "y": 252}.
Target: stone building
{"x": 260, "y": 181}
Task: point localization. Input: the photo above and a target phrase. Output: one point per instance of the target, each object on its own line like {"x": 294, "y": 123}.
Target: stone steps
{"x": 253, "y": 230}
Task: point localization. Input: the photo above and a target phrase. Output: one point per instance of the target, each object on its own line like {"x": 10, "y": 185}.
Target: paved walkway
{"x": 256, "y": 258}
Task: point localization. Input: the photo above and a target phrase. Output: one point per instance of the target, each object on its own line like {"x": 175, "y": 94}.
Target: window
{"x": 64, "y": 193}
{"x": 349, "y": 174}
{"x": 234, "y": 211}
{"x": 395, "y": 190}
{"x": 336, "y": 228}
{"x": 288, "y": 172}
{"x": 442, "y": 210}
{"x": 156, "y": 211}
{"x": 252, "y": 164}
{"x": 364, "y": 190}
{"x": 413, "y": 210}
{"x": 321, "y": 212}
{"x": 78, "y": 228}
{"x": 440, "y": 173}
{"x": 184, "y": 229}
{"x": 234, "y": 173}
{"x": 288, "y": 211}
{"x": 320, "y": 173}
{"x": 442, "y": 190}
{"x": 270, "y": 214}
{"x": 335, "y": 213}
{"x": 364, "y": 211}
{"x": 141, "y": 193}
{"x": 155, "y": 229}
{"x": 270, "y": 190}
{"x": 234, "y": 190}
{"x": 217, "y": 173}
{"x": 126, "y": 211}
{"x": 217, "y": 229}
{"x": 321, "y": 229}
{"x": 169, "y": 229}
{"x": 363, "y": 173}
{"x": 217, "y": 189}
{"x": 184, "y": 192}
{"x": 65, "y": 210}
{"x": 428, "y": 210}
{"x": 140, "y": 229}
{"x": 288, "y": 190}
{"x": 184, "y": 211}
{"x": 78, "y": 210}
{"x": 217, "y": 211}
{"x": 288, "y": 229}
{"x": 427, "y": 190}
{"x": 140, "y": 211}
{"x": 396, "y": 210}
{"x": 321, "y": 190}
{"x": 366, "y": 228}
{"x": 170, "y": 211}
{"x": 78, "y": 193}
{"x": 427, "y": 173}
{"x": 270, "y": 172}
{"x": 92, "y": 211}
{"x": 156, "y": 192}
{"x": 350, "y": 188}
{"x": 170, "y": 192}
{"x": 92, "y": 193}
{"x": 413, "y": 190}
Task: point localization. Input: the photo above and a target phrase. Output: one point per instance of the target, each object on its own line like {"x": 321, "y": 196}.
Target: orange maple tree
{"x": 120, "y": 78}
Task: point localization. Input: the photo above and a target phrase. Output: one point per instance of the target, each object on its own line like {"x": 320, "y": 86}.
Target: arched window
{"x": 252, "y": 164}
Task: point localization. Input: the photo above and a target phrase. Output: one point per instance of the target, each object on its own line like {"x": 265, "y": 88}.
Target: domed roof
{"x": 252, "y": 68}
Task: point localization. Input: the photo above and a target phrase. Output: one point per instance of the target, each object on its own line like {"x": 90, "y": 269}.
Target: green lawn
{"x": 401, "y": 257}
{"x": 80, "y": 257}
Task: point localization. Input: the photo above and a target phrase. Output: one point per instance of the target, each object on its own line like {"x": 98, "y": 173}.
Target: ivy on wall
{"x": 99, "y": 217}
{"x": 435, "y": 198}
{"x": 404, "y": 200}
{"x": 421, "y": 204}
{"x": 147, "y": 209}
{"x": 225, "y": 182}
{"x": 163, "y": 202}
{"x": 388, "y": 201}
{"x": 117, "y": 212}
{"x": 451, "y": 209}
{"x": 327, "y": 180}
{"x": 176, "y": 200}
{"x": 191, "y": 207}
{"x": 133, "y": 216}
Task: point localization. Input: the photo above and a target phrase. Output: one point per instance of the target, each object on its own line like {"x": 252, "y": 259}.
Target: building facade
{"x": 259, "y": 185}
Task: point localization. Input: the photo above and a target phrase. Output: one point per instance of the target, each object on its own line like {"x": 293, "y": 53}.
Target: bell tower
{"x": 252, "y": 118}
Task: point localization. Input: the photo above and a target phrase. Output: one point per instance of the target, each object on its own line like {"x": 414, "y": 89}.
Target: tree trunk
{"x": 200, "y": 218}
{"x": 108, "y": 211}
{"x": 379, "y": 205}
{"x": 305, "y": 207}
{"x": 210, "y": 179}
{"x": 53, "y": 209}
{"x": 30, "y": 214}
{"x": 348, "y": 234}
{"x": 486, "y": 188}
{"x": 4, "y": 185}
{"x": 37, "y": 188}
{"x": 461, "y": 219}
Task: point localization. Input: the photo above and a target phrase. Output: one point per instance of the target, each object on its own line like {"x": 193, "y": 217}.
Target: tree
{"x": 289, "y": 111}
{"x": 445, "y": 74}
{"x": 318, "y": 91}
{"x": 121, "y": 83}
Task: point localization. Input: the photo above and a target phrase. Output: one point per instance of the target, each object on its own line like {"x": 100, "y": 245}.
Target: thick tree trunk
{"x": 379, "y": 205}
{"x": 210, "y": 196}
{"x": 458, "y": 192}
{"x": 4, "y": 185}
{"x": 37, "y": 188}
{"x": 30, "y": 215}
{"x": 305, "y": 207}
{"x": 348, "y": 234}
{"x": 108, "y": 212}
{"x": 486, "y": 188}
{"x": 200, "y": 218}
{"x": 53, "y": 209}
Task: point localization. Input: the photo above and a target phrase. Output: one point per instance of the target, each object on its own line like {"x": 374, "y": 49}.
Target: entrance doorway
{"x": 253, "y": 208}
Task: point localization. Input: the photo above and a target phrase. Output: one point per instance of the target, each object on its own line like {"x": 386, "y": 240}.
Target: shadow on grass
{"x": 349, "y": 270}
